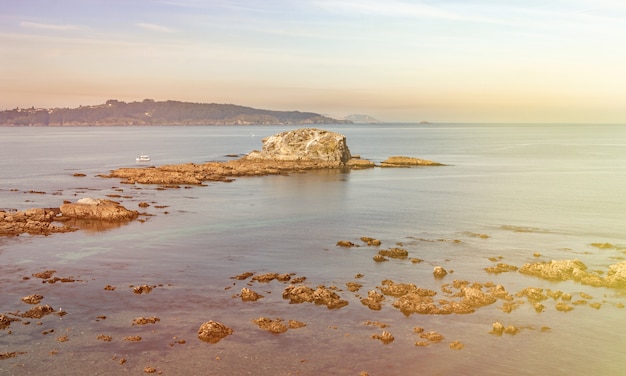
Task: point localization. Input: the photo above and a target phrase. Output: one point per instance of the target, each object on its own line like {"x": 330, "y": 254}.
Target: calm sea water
{"x": 546, "y": 189}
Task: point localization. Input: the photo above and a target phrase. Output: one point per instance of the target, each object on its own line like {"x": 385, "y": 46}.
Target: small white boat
{"x": 143, "y": 158}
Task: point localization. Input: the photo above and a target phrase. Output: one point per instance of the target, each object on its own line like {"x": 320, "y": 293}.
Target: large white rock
{"x": 305, "y": 144}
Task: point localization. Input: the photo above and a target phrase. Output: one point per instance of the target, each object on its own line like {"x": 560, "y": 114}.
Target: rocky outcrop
{"x": 399, "y": 161}
{"x": 40, "y": 221}
{"x": 576, "y": 270}
{"x": 36, "y": 221}
{"x": 306, "y": 144}
{"x": 283, "y": 153}
{"x": 106, "y": 210}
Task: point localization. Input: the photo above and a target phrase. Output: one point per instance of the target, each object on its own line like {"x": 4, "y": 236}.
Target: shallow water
{"x": 546, "y": 189}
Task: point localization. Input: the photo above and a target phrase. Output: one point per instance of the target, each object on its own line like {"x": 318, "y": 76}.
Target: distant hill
{"x": 150, "y": 112}
{"x": 359, "y": 118}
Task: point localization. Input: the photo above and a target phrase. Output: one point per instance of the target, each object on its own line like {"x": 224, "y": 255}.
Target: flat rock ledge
{"x": 287, "y": 152}
{"x": 37, "y": 221}
{"x": 41, "y": 221}
{"x": 400, "y": 161}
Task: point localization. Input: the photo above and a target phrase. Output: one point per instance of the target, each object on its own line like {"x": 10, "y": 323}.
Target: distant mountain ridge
{"x": 360, "y": 118}
{"x": 150, "y": 112}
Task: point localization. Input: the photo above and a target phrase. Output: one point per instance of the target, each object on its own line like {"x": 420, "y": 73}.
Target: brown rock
{"x": 439, "y": 272}
{"x": 319, "y": 296}
{"x": 358, "y": 163}
{"x": 370, "y": 241}
{"x": 501, "y": 268}
{"x": 243, "y": 276}
{"x": 345, "y": 244}
{"x": 32, "y": 221}
{"x": 248, "y": 295}
{"x": 456, "y": 345}
{"x": 432, "y": 337}
{"x": 264, "y": 278}
{"x": 497, "y": 328}
{"x": 32, "y": 299}
{"x": 400, "y": 161}
{"x": 353, "y": 286}
{"x": 38, "y": 312}
{"x": 213, "y": 332}
{"x": 380, "y": 258}
{"x": 385, "y": 337}
{"x": 44, "y": 275}
{"x": 106, "y": 210}
{"x": 274, "y": 326}
{"x": 146, "y": 320}
{"x": 5, "y": 321}
{"x": 563, "y": 307}
{"x": 373, "y": 300}
{"x": 398, "y": 253}
{"x": 293, "y": 324}
{"x": 143, "y": 289}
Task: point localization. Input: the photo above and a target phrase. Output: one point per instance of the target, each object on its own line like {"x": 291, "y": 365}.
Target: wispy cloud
{"x": 396, "y": 8}
{"x": 387, "y": 8}
{"x": 155, "y": 27}
{"x": 45, "y": 26}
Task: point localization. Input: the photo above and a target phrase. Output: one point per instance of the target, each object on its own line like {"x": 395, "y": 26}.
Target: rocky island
{"x": 292, "y": 151}
{"x": 283, "y": 153}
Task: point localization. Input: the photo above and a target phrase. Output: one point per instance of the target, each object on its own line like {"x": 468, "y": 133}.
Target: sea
{"x": 507, "y": 193}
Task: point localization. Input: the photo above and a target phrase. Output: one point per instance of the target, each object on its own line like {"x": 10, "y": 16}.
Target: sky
{"x": 399, "y": 61}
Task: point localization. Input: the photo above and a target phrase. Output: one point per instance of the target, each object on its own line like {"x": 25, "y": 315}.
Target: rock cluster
{"x": 576, "y": 270}
{"x": 41, "y": 221}
{"x": 320, "y": 296}
{"x": 37, "y": 221}
{"x": 469, "y": 296}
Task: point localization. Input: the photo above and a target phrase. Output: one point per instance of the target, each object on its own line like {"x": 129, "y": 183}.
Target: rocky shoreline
{"x": 454, "y": 296}
{"x": 48, "y": 221}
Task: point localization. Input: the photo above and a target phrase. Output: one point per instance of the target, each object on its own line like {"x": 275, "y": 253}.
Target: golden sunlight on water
{"x": 132, "y": 298}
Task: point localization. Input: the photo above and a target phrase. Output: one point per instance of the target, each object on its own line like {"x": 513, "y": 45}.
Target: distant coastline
{"x": 150, "y": 112}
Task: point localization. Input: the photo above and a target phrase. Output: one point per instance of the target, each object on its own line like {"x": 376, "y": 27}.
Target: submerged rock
{"x": 385, "y": 337}
{"x": 273, "y": 326}
{"x": 320, "y": 296}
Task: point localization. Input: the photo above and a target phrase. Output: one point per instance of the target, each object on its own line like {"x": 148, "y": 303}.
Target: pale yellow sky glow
{"x": 444, "y": 61}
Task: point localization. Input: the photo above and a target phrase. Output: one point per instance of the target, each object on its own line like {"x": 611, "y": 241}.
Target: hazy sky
{"x": 436, "y": 60}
